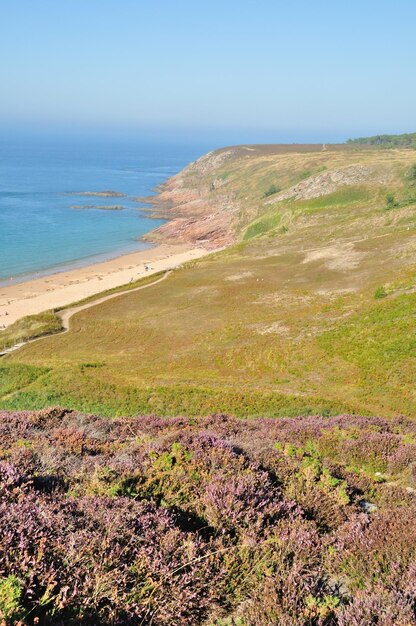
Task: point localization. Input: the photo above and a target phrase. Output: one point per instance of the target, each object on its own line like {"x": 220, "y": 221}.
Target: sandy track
{"x": 66, "y": 314}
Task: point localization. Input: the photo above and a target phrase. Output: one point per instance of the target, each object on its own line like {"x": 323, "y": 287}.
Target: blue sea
{"x": 41, "y": 182}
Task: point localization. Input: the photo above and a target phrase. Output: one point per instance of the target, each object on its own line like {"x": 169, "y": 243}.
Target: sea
{"x": 48, "y": 223}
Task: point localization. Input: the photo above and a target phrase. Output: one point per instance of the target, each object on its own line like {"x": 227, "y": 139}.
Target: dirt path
{"x": 67, "y": 314}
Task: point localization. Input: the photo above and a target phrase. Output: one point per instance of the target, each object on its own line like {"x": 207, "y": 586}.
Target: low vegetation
{"x": 380, "y": 293}
{"x": 30, "y": 327}
{"x": 265, "y": 224}
{"x": 271, "y": 191}
{"x": 217, "y": 521}
{"x": 391, "y": 202}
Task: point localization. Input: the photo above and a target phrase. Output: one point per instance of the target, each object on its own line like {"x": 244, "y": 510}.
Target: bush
{"x": 10, "y": 593}
{"x": 412, "y": 174}
{"x": 271, "y": 191}
{"x": 391, "y": 202}
{"x": 380, "y": 293}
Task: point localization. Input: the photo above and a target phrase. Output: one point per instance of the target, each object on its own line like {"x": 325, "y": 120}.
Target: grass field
{"x": 285, "y": 322}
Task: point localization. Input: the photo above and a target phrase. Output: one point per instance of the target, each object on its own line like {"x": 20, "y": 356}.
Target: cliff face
{"x": 197, "y": 211}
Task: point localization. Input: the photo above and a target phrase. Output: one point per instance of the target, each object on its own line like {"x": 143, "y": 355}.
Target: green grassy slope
{"x": 311, "y": 311}
{"x": 30, "y": 327}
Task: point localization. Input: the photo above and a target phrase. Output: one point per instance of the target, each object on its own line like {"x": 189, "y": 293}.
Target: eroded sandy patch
{"x": 284, "y": 299}
{"x": 237, "y": 277}
{"x": 335, "y": 293}
{"x": 338, "y": 257}
{"x": 277, "y": 328}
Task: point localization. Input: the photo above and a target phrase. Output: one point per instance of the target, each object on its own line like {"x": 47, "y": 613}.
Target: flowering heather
{"x": 216, "y": 521}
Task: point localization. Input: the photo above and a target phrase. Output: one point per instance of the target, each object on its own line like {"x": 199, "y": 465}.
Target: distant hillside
{"x": 407, "y": 140}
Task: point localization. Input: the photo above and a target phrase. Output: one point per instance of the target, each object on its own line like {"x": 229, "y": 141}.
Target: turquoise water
{"x": 39, "y": 182}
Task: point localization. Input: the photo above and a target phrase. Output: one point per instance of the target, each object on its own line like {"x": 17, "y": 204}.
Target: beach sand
{"x": 63, "y": 288}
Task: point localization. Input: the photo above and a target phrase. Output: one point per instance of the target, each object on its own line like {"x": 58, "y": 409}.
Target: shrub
{"x": 391, "y": 202}
{"x": 380, "y": 293}
{"x": 412, "y": 174}
{"x": 271, "y": 191}
{"x": 10, "y": 595}
{"x": 378, "y": 609}
{"x": 204, "y": 521}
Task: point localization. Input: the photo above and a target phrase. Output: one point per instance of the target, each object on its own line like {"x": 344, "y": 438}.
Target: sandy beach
{"x": 63, "y": 288}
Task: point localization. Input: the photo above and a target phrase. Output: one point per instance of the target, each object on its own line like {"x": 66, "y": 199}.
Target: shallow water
{"x": 39, "y": 182}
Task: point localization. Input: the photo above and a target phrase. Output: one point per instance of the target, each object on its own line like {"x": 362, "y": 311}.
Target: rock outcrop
{"x": 196, "y": 210}
{"x": 329, "y": 181}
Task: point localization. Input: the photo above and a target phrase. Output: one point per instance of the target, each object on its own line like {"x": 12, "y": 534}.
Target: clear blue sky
{"x": 243, "y": 70}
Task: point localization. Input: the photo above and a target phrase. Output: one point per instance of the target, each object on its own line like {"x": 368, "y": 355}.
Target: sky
{"x": 237, "y": 71}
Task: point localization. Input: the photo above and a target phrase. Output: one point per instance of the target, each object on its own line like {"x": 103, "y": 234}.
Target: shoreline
{"x": 81, "y": 263}
{"x": 63, "y": 288}
{"x": 195, "y": 225}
